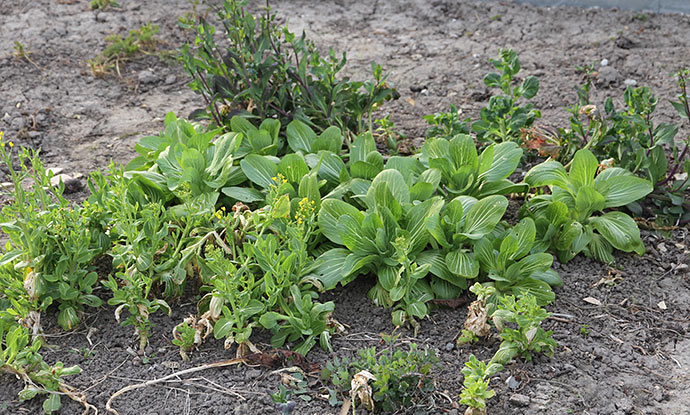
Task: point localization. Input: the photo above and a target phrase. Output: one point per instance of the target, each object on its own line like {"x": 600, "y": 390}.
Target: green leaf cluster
{"x": 519, "y": 322}
{"x": 266, "y": 71}
{"x": 464, "y": 172}
{"x": 504, "y": 118}
{"x": 476, "y": 390}
{"x": 572, "y": 219}
{"x": 403, "y": 375}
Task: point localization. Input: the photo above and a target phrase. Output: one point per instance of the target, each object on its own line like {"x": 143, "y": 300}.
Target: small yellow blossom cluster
{"x": 220, "y": 212}
{"x": 2, "y": 144}
{"x": 306, "y": 208}
{"x": 279, "y": 179}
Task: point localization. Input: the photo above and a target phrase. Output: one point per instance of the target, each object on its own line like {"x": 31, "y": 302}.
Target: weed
{"x": 642, "y": 17}
{"x": 503, "y": 118}
{"x": 103, "y": 4}
{"x": 20, "y": 53}
{"x": 527, "y": 336}
{"x": 119, "y": 49}
{"x": 446, "y": 124}
{"x": 387, "y": 133}
{"x": 400, "y": 378}
{"x": 584, "y": 330}
{"x": 268, "y": 72}
{"x": 476, "y": 390}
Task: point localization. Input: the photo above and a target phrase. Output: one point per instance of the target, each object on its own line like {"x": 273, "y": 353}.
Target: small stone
{"x": 604, "y": 62}
{"x": 633, "y": 63}
{"x": 630, "y": 82}
{"x": 682, "y": 268}
{"x": 449, "y": 347}
{"x": 252, "y": 374}
{"x": 147, "y": 77}
{"x": 625, "y": 43}
{"x": 71, "y": 184}
{"x": 453, "y": 412}
{"x": 170, "y": 79}
{"x": 136, "y": 361}
{"x": 161, "y": 350}
{"x": 512, "y": 382}
{"x": 625, "y": 405}
{"x": 287, "y": 407}
{"x": 519, "y": 400}
{"x": 608, "y": 75}
{"x": 242, "y": 409}
{"x": 657, "y": 394}
{"x": 17, "y": 123}
{"x": 101, "y": 17}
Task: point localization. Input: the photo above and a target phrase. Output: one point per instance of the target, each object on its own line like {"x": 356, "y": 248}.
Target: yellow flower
{"x": 11, "y": 144}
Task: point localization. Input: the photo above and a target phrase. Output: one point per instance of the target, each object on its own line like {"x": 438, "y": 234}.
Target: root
{"x": 223, "y": 363}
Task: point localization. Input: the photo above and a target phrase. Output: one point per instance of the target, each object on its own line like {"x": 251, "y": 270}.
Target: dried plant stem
{"x": 223, "y": 363}
{"x": 64, "y": 389}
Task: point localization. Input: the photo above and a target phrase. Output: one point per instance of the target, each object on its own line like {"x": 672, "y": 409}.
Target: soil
{"x": 624, "y": 350}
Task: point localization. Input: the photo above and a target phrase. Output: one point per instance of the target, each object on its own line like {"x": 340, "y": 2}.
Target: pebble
{"x": 625, "y": 405}
{"x": 657, "y": 394}
{"x": 633, "y": 63}
{"x": 170, "y": 79}
{"x": 252, "y": 374}
{"x": 608, "y": 75}
{"x": 449, "y": 347}
{"x": 242, "y": 409}
{"x": 147, "y": 77}
{"x": 512, "y": 382}
{"x": 519, "y": 400}
{"x": 630, "y": 82}
{"x": 71, "y": 184}
{"x": 604, "y": 62}
{"x": 17, "y": 123}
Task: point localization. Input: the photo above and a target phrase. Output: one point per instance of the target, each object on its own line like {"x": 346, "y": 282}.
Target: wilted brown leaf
{"x": 359, "y": 388}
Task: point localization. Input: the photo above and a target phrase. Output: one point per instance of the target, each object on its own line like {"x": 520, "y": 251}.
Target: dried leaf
{"x": 477, "y": 317}
{"x": 592, "y": 300}
{"x": 359, "y": 388}
{"x": 411, "y": 101}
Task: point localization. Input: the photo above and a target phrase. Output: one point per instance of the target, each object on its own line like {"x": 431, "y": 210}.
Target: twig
{"x": 223, "y": 363}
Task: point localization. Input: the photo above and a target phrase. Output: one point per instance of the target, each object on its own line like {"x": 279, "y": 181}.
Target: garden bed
{"x": 622, "y": 333}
